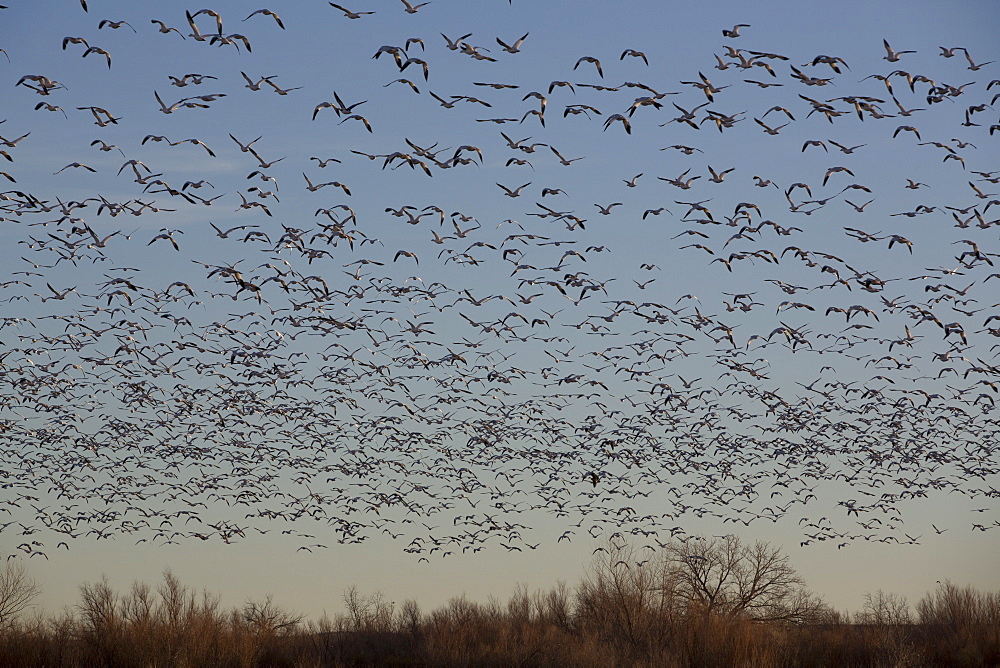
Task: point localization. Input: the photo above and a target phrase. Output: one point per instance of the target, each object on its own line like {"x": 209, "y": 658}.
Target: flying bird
{"x": 350, "y": 14}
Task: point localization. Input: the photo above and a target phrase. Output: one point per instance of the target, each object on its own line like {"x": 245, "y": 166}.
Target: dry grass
{"x": 614, "y": 617}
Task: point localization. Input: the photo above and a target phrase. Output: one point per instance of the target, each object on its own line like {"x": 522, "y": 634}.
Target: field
{"x": 618, "y": 614}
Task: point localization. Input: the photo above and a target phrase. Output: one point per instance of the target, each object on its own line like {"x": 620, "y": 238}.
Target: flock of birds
{"x": 184, "y": 362}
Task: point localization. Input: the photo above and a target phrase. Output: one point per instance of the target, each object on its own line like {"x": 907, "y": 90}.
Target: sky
{"x": 505, "y": 371}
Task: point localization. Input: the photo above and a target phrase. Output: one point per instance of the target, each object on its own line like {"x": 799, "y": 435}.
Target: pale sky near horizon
{"x": 321, "y": 51}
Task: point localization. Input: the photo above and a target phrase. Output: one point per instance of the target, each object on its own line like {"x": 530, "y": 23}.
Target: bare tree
{"x": 629, "y": 594}
{"x": 885, "y": 609}
{"x": 888, "y": 622}
{"x": 266, "y": 616}
{"x": 726, "y": 576}
{"x": 17, "y": 591}
{"x": 371, "y": 613}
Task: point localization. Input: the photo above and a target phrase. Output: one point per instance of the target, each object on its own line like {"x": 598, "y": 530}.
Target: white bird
{"x": 634, "y": 54}
{"x": 348, "y": 13}
{"x": 591, "y": 59}
{"x": 74, "y": 40}
{"x": 768, "y": 129}
{"x": 412, "y": 9}
{"x": 267, "y": 12}
{"x": 563, "y": 160}
{"x": 278, "y": 89}
{"x": 225, "y": 234}
{"x": 510, "y": 48}
{"x": 56, "y": 294}
{"x": 680, "y": 182}
{"x": 655, "y": 212}
{"x": 618, "y": 118}
{"x": 77, "y": 164}
{"x": 165, "y": 29}
{"x": 406, "y": 253}
{"x": 357, "y": 117}
{"x": 94, "y": 49}
{"x": 717, "y": 177}
{"x": 168, "y": 235}
{"x": 51, "y": 107}
{"x": 104, "y": 146}
{"x": 210, "y": 12}
{"x": 891, "y": 55}
{"x": 456, "y": 44}
{"x": 395, "y": 51}
{"x": 859, "y": 208}
{"x": 313, "y": 188}
{"x": 846, "y": 149}
{"x": 324, "y": 163}
{"x": 114, "y": 25}
{"x": 705, "y": 86}
{"x": 416, "y": 61}
{"x": 164, "y": 108}
{"x": 194, "y": 141}
{"x": 606, "y": 210}
{"x": 245, "y": 148}
{"x": 516, "y": 192}
{"x": 444, "y": 103}
{"x": 972, "y": 64}
{"x": 405, "y": 81}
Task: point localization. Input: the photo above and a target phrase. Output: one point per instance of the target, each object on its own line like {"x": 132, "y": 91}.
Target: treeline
{"x": 622, "y": 613}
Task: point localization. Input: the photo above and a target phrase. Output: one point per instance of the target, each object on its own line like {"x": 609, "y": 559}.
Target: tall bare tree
{"x": 17, "y": 591}
{"x": 728, "y": 576}
{"x": 647, "y": 592}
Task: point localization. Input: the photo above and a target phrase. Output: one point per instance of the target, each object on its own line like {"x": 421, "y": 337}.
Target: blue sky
{"x": 532, "y": 386}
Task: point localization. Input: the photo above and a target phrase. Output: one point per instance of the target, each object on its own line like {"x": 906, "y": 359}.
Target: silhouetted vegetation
{"x": 687, "y": 605}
